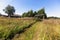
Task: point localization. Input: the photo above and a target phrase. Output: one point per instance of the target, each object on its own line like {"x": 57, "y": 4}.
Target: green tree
{"x": 24, "y": 14}
{"x": 10, "y": 10}
{"x": 34, "y": 13}
{"x": 42, "y": 11}
{"x": 30, "y": 13}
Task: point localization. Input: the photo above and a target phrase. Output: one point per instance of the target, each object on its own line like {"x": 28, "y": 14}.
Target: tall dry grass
{"x": 11, "y": 26}
{"x": 45, "y": 30}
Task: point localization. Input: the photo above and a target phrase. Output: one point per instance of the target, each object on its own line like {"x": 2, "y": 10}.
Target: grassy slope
{"x": 46, "y": 30}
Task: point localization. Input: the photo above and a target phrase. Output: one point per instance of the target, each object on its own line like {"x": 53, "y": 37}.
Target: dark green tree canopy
{"x": 24, "y": 14}
{"x": 28, "y": 14}
{"x": 35, "y": 13}
{"x": 10, "y": 10}
{"x": 42, "y": 12}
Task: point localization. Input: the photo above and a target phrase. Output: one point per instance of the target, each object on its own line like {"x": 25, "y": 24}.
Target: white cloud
{"x": 3, "y": 4}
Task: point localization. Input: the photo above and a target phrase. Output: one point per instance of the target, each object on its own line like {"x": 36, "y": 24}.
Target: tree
{"x": 30, "y": 13}
{"x": 34, "y": 13}
{"x": 10, "y": 10}
{"x": 24, "y": 14}
{"x": 42, "y": 11}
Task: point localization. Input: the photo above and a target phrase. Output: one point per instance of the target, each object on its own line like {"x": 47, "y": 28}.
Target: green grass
{"x": 42, "y": 30}
{"x": 45, "y": 30}
{"x": 11, "y": 26}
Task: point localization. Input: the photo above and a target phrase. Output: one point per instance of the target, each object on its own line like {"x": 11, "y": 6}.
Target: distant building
{"x": 12, "y": 16}
{"x": 40, "y": 16}
{"x": 15, "y": 16}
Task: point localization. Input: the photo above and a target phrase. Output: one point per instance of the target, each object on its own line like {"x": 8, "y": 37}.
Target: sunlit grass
{"x": 45, "y": 30}
{"x": 11, "y": 26}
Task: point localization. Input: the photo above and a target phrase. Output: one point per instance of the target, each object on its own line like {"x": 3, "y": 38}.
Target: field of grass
{"x": 45, "y": 30}
{"x": 18, "y": 29}
{"x": 12, "y": 26}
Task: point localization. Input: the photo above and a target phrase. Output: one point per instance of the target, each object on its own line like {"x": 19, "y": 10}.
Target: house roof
{"x": 39, "y": 15}
{"x": 15, "y": 15}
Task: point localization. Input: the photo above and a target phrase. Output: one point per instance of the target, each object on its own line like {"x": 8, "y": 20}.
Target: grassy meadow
{"x": 11, "y": 26}
{"x": 45, "y": 30}
{"x": 29, "y": 29}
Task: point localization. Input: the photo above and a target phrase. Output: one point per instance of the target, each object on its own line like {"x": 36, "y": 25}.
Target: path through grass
{"x": 46, "y": 30}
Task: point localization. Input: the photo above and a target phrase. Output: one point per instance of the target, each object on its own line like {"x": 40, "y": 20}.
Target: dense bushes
{"x": 30, "y": 13}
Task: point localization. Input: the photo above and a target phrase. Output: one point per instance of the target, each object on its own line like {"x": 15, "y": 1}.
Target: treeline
{"x": 10, "y": 10}
{"x": 52, "y": 17}
{"x": 32, "y": 13}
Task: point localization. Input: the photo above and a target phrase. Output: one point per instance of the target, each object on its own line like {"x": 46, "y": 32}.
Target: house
{"x": 40, "y": 16}
{"x": 15, "y": 16}
{"x": 12, "y": 16}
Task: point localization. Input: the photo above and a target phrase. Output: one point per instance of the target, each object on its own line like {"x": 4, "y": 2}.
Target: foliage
{"x": 28, "y": 14}
{"x": 9, "y": 10}
{"x": 32, "y": 14}
{"x": 42, "y": 11}
{"x": 24, "y": 14}
{"x": 35, "y": 13}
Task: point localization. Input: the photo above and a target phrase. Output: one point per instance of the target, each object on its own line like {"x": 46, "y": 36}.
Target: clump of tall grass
{"x": 10, "y": 26}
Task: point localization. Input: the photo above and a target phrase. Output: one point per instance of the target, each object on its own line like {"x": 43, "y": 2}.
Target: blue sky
{"x": 52, "y": 7}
